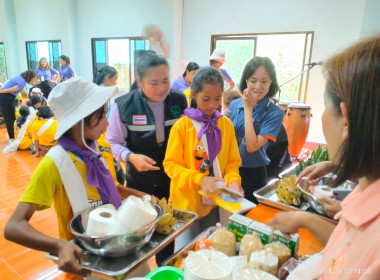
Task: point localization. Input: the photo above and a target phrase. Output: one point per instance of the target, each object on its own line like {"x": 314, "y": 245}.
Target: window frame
{"x": 5, "y": 61}
{"x": 54, "y": 63}
{"x": 131, "y": 57}
{"x": 304, "y": 74}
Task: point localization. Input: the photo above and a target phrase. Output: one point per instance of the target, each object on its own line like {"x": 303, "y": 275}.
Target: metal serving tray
{"x": 119, "y": 268}
{"x": 185, "y": 250}
{"x": 289, "y": 171}
{"x": 267, "y": 195}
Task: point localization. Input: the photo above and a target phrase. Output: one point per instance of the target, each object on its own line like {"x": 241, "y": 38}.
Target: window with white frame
{"x": 289, "y": 52}
{"x": 119, "y": 53}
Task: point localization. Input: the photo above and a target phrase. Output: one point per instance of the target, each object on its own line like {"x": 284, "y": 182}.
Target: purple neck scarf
{"x": 97, "y": 174}
{"x": 214, "y": 140}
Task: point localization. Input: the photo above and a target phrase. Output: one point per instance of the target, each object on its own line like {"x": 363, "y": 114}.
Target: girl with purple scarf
{"x": 80, "y": 124}
{"x": 202, "y": 149}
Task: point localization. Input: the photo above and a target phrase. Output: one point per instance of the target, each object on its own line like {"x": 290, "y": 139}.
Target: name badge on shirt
{"x": 139, "y": 119}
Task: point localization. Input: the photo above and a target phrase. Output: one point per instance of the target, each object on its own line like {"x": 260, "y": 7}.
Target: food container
{"x": 181, "y": 254}
{"x": 117, "y": 245}
{"x": 267, "y": 194}
{"x": 165, "y": 273}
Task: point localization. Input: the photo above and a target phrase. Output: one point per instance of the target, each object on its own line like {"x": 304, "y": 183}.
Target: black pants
{"x": 252, "y": 179}
{"x": 9, "y": 112}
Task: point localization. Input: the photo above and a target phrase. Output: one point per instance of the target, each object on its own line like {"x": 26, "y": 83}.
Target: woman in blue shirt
{"x": 7, "y": 95}
{"x": 184, "y": 82}
{"x": 65, "y": 70}
{"x": 257, "y": 121}
{"x": 48, "y": 76}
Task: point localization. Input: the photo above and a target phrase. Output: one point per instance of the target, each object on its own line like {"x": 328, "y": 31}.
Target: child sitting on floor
{"x": 23, "y": 132}
{"x": 43, "y": 131}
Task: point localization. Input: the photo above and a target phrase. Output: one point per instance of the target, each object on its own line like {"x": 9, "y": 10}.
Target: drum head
{"x": 299, "y": 106}
{"x": 287, "y": 102}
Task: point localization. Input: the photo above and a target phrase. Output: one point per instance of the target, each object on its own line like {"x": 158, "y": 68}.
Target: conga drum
{"x": 283, "y": 104}
{"x": 297, "y": 122}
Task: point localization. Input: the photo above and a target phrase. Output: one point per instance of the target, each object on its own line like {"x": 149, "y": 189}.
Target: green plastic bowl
{"x": 165, "y": 273}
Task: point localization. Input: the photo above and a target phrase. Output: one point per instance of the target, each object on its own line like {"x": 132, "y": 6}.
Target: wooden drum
{"x": 283, "y": 104}
{"x": 297, "y": 122}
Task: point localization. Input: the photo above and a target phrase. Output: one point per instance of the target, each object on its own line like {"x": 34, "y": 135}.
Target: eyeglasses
{"x": 259, "y": 83}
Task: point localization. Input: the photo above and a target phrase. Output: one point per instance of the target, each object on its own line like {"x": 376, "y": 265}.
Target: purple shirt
{"x": 66, "y": 72}
{"x": 18, "y": 81}
{"x": 117, "y": 132}
{"x": 224, "y": 72}
{"x": 180, "y": 84}
{"x": 46, "y": 73}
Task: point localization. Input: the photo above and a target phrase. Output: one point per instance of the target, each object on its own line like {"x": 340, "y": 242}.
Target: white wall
{"x": 75, "y": 23}
{"x": 371, "y": 19}
{"x": 117, "y": 18}
{"x": 335, "y": 23}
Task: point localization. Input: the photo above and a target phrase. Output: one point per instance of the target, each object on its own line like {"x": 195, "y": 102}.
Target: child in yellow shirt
{"x": 202, "y": 148}
{"x": 26, "y": 140}
{"x": 43, "y": 131}
{"x": 22, "y": 131}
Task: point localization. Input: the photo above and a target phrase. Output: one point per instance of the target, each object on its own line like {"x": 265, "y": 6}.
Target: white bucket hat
{"x": 36, "y": 89}
{"x": 75, "y": 99}
{"x": 219, "y": 55}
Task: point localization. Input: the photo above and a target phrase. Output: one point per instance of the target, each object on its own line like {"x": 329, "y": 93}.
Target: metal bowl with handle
{"x": 326, "y": 181}
{"x": 112, "y": 245}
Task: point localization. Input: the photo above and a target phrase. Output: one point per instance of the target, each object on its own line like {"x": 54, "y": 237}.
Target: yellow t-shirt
{"x": 186, "y": 163}
{"x": 46, "y": 187}
{"x": 48, "y": 136}
{"x": 26, "y": 142}
{"x": 106, "y": 150}
{"x": 187, "y": 92}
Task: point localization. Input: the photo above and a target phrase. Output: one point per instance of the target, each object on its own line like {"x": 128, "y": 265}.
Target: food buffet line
{"x": 243, "y": 248}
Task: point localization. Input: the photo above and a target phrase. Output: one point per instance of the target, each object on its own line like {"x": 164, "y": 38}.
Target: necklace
{"x": 336, "y": 261}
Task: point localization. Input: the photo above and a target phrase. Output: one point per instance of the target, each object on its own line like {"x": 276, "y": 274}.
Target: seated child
{"x": 202, "y": 149}
{"x": 34, "y": 103}
{"x": 17, "y": 104}
{"x": 37, "y": 91}
{"x": 23, "y": 132}
{"x": 43, "y": 131}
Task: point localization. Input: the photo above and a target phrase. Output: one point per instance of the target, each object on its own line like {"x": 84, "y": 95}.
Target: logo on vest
{"x": 176, "y": 111}
{"x": 139, "y": 119}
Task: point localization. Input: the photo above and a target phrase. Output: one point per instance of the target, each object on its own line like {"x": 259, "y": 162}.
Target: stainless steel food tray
{"x": 267, "y": 195}
{"x": 185, "y": 250}
{"x": 119, "y": 268}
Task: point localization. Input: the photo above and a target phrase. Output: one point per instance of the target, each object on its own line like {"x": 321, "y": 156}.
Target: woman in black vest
{"x": 140, "y": 125}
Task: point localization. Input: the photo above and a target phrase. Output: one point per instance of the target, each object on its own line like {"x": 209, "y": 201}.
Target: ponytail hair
{"x": 66, "y": 59}
{"x": 103, "y": 72}
{"x": 24, "y": 113}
